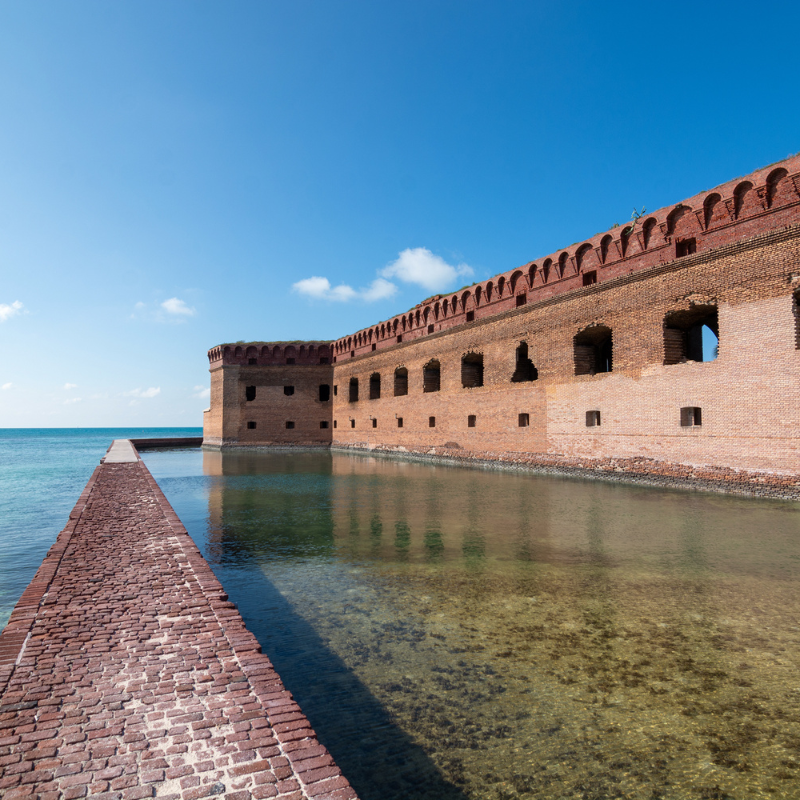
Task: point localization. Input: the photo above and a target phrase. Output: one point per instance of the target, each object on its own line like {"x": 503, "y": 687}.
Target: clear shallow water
{"x": 42, "y": 474}
{"x": 453, "y": 633}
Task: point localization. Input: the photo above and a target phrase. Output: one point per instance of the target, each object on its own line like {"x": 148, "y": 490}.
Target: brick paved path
{"x": 126, "y": 673}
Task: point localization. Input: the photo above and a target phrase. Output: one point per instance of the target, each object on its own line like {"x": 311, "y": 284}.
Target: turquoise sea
{"x": 42, "y": 473}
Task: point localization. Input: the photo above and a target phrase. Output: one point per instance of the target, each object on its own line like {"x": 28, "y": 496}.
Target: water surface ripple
{"x": 455, "y": 633}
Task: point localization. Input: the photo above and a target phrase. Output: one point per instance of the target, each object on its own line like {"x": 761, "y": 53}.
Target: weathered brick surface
{"x": 125, "y": 672}
{"x": 744, "y": 262}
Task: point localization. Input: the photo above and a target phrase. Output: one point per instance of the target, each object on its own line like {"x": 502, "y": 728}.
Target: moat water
{"x": 454, "y": 633}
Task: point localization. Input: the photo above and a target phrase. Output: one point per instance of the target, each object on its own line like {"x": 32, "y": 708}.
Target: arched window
{"x": 472, "y": 370}
{"x": 709, "y": 206}
{"x": 741, "y": 200}
{"x": 593, "y": 350}
{"x": 691, "y": 335}
{"x": 400, "y": 382}
{"x": 524, "y": 369}
{"x": 605, "y": 244}
{"x": 431, "y": 377}
{"x": 375, "y": 386}
{"x": 776, "y": 181}
{"x": 647, "y": 231}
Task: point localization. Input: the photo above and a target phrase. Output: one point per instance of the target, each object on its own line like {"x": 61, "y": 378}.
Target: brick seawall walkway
{"x": 126, "y": 673}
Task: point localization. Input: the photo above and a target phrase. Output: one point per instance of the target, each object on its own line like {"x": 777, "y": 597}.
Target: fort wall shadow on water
{"x": 379, "y": 759}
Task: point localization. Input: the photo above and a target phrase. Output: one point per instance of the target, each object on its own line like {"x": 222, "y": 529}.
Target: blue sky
{"x": 172, "y": 175}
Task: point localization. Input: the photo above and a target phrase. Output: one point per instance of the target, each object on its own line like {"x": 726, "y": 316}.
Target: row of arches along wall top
{"x": 301, "y": 353}
{"x": 744, "y": 199}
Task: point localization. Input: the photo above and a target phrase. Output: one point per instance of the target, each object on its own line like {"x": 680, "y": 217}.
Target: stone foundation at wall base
{"x": 638, "y": 471}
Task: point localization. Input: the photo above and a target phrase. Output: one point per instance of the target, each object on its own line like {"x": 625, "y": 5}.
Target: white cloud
{"x": 7, "y": 386}
{"x": 70, "y": 386}
{"x": 419, "y": 265}
{"x": 177, "y": 307}
{"x": 321, "y": 289}
{"x": 151, "y": 392}
{"x": 202, "y": 392}
{"x": 72, "y": 400}
{"x": 7, "y": 311}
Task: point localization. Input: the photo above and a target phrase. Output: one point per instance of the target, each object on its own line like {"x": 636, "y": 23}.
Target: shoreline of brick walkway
{"x": 125, "y": 672}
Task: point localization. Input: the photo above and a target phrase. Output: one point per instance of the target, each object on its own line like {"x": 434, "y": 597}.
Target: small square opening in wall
{"x": 336, "y": 423}
{"x": 470, "y": 316}
{"x": 430, "y": 328}
{"x": 288, "y": 390}
{"x": 691, "y": 417}
{"x": 323, "y": 360}
{"x": 251, "y": 425}
{"x": 685, "y": 247}
{"x": 522, "y": 299}
{"x": 374, "y": 346}
{"x": 352, "y": 354}
{"x": 323, "y": 424}
{"x": 352, "y": 423}
{"x": 289, "y": 424}
{"x": 374, "y": 422}
{"x": 471, "y": 419}
{"x": 399, "y": 422}
{"x": 590, "y": 278}
{"x": 524, "y": 420}
{"x": 252, "y": 361}
{"x": 592, "y": 419}
{"x": 290, "y": 361}
{"x": 399, "y": 338}
{"x": 431, "y": 422}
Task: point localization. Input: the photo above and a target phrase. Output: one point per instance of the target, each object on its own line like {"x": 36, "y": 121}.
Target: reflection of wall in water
{"x": 401, "y": 510}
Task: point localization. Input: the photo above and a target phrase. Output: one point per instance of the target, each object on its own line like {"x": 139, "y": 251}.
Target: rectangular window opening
{"x": 323, "y": 424}
{"x": 252, "y": 361}
{"x": 335, "y": 389}
{"x": 352, "y": 354}
{"x": 430, "y": 328}
{"x": 323, "y": 360}
{"x": 691, "y": 417}
{"x": 374, "y": 347}
{"x": 471, "y": 421}
{"x": 336, "y": 423}
{"x": 399, "y": 422}
{"x": 431, "y": 422}
{"x": 288, "y": 390}
{"x": 289, "y": 424}
{"x": 290, "y": 361}
{"x": 524, "y": 420}
{"x": 470, "y": 316}
{"x": 685, "y": 247}
{"x": 251, "y": 425}
{"x": 592, "y": 419}
{"x": 399, "y": 338}
{"x": 374, "y": 422}
{"x": 352, "y": 423}
{"x": 522, "y": 299}
{"x": 590, "y": 278}
{"x": 250, "y": 393}
{"x": 324, "y": 392}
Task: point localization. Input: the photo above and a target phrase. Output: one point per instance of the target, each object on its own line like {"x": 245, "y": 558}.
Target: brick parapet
{"x": 767, "y": 199}
{"x": 136, "y": 676}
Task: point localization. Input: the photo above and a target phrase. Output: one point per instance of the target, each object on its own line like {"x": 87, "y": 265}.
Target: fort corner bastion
{"x": 589, "y": 356}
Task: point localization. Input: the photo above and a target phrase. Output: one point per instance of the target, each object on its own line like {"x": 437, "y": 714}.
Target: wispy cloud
{"x": 7, "y": 386}
{"x": 143, "y": 393}
{"x": 72, "y": 400}
{"x": 419, "y": 265}
{"x": 69, "y": 386}
{"x": 7, "y": 311}
{"x": 202, "y": 392}
{"x": 413, "y": 265}
{"x": 178, "y": 308}
{"x": 320, "y": 288}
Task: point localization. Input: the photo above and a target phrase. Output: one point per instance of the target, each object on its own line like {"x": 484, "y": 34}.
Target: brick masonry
{"x": 125, "y": 672}
{"x": 734, "y": 249}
